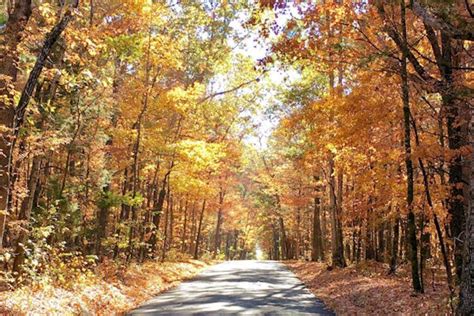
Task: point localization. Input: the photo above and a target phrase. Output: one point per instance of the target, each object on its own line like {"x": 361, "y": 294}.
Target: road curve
{"x": 238, "y": 288}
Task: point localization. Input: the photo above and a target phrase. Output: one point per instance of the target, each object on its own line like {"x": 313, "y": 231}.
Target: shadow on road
{"x": 238, "y": 287}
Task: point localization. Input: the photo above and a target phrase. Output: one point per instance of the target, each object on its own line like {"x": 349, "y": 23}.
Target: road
{"x": 238, "y": 288}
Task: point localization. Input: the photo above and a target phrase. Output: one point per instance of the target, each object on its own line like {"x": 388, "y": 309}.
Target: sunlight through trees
{"x": 335, "y": 131}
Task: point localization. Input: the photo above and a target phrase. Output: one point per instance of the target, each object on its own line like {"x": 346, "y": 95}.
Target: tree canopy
{"x": 336, "y": 131}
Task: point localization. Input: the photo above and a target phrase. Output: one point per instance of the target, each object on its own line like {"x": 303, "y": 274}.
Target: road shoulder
{"x": 362, "y": 290}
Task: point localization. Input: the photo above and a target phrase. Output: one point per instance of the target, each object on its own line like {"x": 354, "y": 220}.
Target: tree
{"x": 12, "y": 37}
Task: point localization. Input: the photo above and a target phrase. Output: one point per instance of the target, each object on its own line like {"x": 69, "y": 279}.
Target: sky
{"x": 256, "y": 48}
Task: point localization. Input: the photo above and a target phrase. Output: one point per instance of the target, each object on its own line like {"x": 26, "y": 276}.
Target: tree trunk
{"x": 166, "y": 225}
{"x": 283, "y": 240}
{"x": 299, "y": 241}
{"x": 199, "y": 229}
{"x": 136, "y": 146}
{"x": 381, "y": 243}
{"x": 369, "y": 244}
{"x": 227, "y": 247}
{"x": 336, "y": 229}
{"x": 340, "y": 238}
{"x": 466, "y": 297}
{"x": 317, "y": 242}
{"x": 276, "y": 243}
{"x": 236, "y": 243}
{"x": 217, "y": 238}
{"x": 457, "y": 112}
{"x": 156, "y": 217}
{"x": 417, "y": 286}
{"x": 184, "y": 246}
{"x": 446, "y": 52}
{"x": 192, "y": 236}
{"x": 25, "y": 214}
{"x": 395, "y": 239}
{"x": 171, "y": 221}
{"x": 11, "y": 38}
{"x": 446, "y": 261}
{"x": 102, "y": 220}
{"x": 359, "y": 245}
{"x": 324, "y": 229}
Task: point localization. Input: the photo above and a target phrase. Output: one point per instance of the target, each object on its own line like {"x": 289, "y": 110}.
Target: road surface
{"x": 238, "y": 287}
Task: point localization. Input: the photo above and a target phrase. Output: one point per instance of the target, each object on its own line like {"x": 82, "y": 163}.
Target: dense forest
{"x": 336, "y": 131}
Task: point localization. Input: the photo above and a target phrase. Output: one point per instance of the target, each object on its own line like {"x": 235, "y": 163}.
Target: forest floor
{"x": 367, "y": 289}
{"x": 108, "y": 290}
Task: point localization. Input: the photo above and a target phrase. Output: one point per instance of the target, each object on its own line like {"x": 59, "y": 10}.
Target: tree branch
{"x": 240, "y": 86}
{"x": 438, "y": 23}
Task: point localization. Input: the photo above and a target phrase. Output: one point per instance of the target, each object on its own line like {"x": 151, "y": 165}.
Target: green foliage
{"x": 3, "y": 19}
{"x": 130, "y": 199}
{"x": 127, "y": 48}
{"x": 108, "y": 199}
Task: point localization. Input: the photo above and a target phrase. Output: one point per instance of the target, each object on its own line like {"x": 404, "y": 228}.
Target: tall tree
{"x": 12, "y": 37}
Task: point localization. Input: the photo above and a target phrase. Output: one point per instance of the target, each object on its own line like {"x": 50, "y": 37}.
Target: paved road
{"x": 238, "y": 287}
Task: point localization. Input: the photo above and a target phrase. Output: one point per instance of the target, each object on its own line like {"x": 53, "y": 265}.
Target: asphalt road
{"x": 238, "y": 288}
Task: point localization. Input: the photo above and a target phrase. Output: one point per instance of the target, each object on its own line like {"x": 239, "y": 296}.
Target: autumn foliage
{"x": 138, "y": 132}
